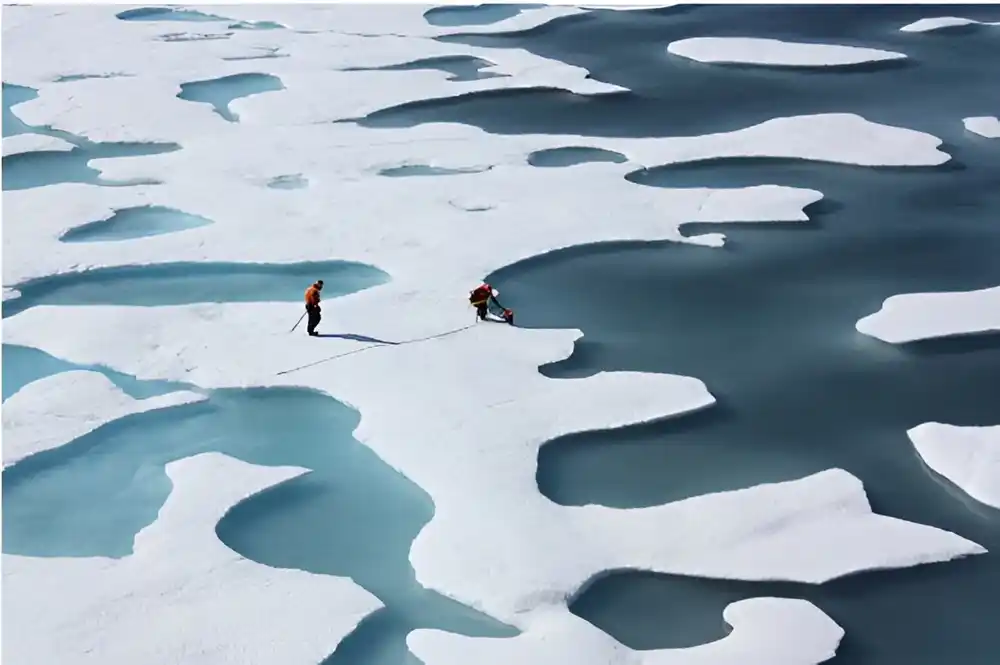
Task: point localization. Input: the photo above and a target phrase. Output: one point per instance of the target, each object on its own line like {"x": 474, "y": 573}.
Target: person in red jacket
{"x": 481, "y": 297}
{"x": 313, "y": 308}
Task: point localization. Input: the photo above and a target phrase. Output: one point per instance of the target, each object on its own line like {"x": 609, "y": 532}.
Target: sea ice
{"x": 988, "y": 126}
{"x": 472, "y": 444}
{"x": 182, "y": 596}
{"x": 775, "y": 631}
{"x": 967, "y": 456}
{"x": 774, "y": 52}
{"x": 917, "y": 316}
{"x": 53, "y": 411}
{"x": 940, "y": 22}
{"x": 21, "y": 143}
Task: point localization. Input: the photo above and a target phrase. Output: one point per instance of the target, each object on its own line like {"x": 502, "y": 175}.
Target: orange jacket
{"x": 312, "y": 296}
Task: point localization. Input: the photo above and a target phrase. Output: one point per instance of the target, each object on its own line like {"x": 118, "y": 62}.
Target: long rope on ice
{"x": 375, "y": 345}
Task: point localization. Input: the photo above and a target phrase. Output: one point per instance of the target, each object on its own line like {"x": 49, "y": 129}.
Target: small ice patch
{"x": 137, "y": 222}
{"x": 573, "y": 155}
{"x": 967, "y": 456}
{"x": 221, "y": 92}
{"x": 22, "y": 143}
{"x": 53, "y": 411}
{"x": 941, "y": 23}
{"x": 918, "y": 316}
{"x": 774, "y": 52}
{"x": 988, "y": 126}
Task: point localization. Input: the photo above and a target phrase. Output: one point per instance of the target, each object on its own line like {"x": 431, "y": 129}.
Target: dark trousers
{"x": 314, "y": 318}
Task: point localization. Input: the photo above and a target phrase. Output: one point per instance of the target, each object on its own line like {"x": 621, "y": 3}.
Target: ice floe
{"x": 967, "y": 456}
{"x": 776, "y": 631}
{"x": 917, "y": 316}
{"x": 208, "y": 605}
{"x": 472, "y": 444}
{"x": 55, "y": 410}
{"x": 21, "y": 143}
{"x": 774, "y": 52}
{"x": 941, "y": 22}
{"x": 988, "y": 126}
{"x": 577, "y": 203}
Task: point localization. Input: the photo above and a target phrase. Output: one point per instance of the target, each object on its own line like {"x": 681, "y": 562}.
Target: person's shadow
{"x": 357, "y": 338}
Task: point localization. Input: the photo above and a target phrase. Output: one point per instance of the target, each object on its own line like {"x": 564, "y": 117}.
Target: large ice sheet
{"x": 577, "y": 204}
{"x": 988, "y": 126}
{"x": 495, "y": 542}
{"x": 182, "y": 596}
{"x": 57, "y": 409}
{"x": 772, "y": 631}
{"x": 967, "y": 456}
{"x": 939, "y": 23}
{"x": 774, "y": 52}
{"x": 916, "y": 316}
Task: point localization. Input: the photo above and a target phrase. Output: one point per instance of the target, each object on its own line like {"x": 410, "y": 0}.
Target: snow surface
{"x": 916, "y": 316}
{"x": 775, "y": 631}
{"x": 939, "y": 22}
{"x": 21, "y": 143}
{"x": 182, "y": 596}
{"x": 55, "y": 410}
{"x": 468, "y": 438}
{"x": 757, "y": 51}
{"x": 967, "y": 456}
{"x": 988, "y": 126}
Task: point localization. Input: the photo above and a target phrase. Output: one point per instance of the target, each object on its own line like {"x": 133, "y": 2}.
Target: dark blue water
{"x": 768, "y": 321}
{"x": 188, "y": 283}
{"x": 461, "y": 67}
{"x": 167, "y": 14}
{"x": 571, "y": 156}
{"x": 457, "y": 15}
{"x": 220, "y": 92}
{"x": 38, "y": 169}
{"x": 138, "y": 222}
{"x": 416, "y": 170}
{"x": 291, "y": 181}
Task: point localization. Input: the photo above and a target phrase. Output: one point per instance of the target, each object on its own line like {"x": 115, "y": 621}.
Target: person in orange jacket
{"x": 480, "y": 298}
{"x": 313, "y": 308}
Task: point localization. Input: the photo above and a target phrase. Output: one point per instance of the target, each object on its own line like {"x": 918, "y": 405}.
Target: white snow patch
{"x": 208, "y": 605}
{"x": 939, "y": 22}
{"x": 21, "y": 143}
{"x": 55, "y": 410}
{"x": 988, "y": 126}
{"x": 967, "y": 456}
{"x": 776, "y": 631}
{"x": 472, "y": 444}
{"x": 758, "y": 51}
{"x": 916, "y": 316}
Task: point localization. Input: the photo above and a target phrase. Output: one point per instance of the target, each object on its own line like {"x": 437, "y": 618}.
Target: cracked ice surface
{"x": 184, "y": 582}
{"x": 758, "y": 51}
{"x": 53, "y": 411}
{"x": 470, "y": 441}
